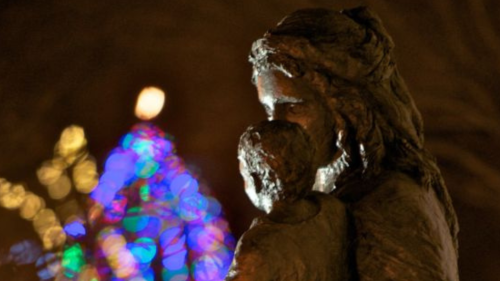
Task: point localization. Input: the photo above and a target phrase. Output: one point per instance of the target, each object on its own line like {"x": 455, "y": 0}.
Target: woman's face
{"x": 293, "y": 100}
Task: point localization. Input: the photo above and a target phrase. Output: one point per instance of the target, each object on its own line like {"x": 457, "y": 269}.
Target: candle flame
{"x": 150, "y": 103}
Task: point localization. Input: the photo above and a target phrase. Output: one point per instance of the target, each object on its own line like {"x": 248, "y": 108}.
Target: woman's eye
{"x": 295, "y": 108}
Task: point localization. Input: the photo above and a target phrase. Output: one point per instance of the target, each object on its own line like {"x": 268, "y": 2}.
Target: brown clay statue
{"x": 303, "y": 235}
{"x": 333, "y": 73}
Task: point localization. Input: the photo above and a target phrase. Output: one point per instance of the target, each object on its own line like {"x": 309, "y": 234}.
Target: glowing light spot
{"x": 135, "y": 221}
{"x": 184, "y": 185}
{"x": 71, "y": 141}
{"x": 75, "y": 229}
{"x": 150, "y": 103}
{"x": 169, "y": 236}
{"x": 127, "y": 140}
{"x": 85, "y": 176}
{"x": 103, "y": 194}
{"x": 175, "y": 246}
{"x": 192, "y": 207}
{"x": 176, "y": 275}
{"x": 152, "y": 229}
{"x": 53, "y": 237}
{"x": 115, "y": 180}
{"x": 145, "y": 148}
{"x": 14, "y": 198}
{"x": 60, "y": 188}
{"x": 73, "y": 260}
{"x": 49, "y": 265}
{"x": 144, "y": 192}
{"x": 124, "y": 265}
{"x": 206, "y": 239}
{"x": 120, "y": 161}
{"x": 31, "y": 206}
{"x": 4, "y": 186}
{"x": 175, "y": 261}
{"x": 44, "y": 220}
{"x": 148, "y": 275}
{"x": 145, "y": 168}
{"x": 49, "y": 173}
{"x": 208, "y": 267}
{"x": 120, "y": 259}
{"x": 115, "y": 212}
{"x": 143, "y": 249}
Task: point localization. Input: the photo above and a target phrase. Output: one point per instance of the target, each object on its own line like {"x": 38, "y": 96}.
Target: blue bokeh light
{"x": 75, "y": 229}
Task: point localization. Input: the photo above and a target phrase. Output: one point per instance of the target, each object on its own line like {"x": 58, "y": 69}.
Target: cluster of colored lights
{"x": 150, "y": 220}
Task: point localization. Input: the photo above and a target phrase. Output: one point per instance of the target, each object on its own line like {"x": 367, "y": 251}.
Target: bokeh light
{"x": 53, "y": 237}
{"x": 71, "y": 142}
{"x": 31, "y": 206}
{"x": 75, "y": 229}
{"x": 85, "y": 176}
{"x": 48, "y": 265}
{"x": 45, "y": 219}
{"x": 13, "y": 196}
{"x": 61, "y": 188}
{"x": 49, "y": 173}
{"x": 73, "y": 260}
{"x": 149, "y": 103}
{"x": 149, "y": 208}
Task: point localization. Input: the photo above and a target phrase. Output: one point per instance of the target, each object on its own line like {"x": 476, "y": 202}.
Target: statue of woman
{"x": 302, "y": 236}
{"x": 334, "y": 74}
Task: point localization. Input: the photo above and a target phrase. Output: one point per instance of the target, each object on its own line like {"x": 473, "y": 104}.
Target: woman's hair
{"x": 347, "y": 57}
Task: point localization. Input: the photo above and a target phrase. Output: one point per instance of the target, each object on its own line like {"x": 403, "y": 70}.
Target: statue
{"x": 333, "y": 73}
{"x": 302, "y": 236}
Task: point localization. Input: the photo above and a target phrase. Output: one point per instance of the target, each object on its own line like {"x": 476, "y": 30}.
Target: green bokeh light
{"x": 73, "y": 260}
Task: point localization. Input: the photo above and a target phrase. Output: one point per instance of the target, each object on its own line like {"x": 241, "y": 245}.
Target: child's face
{"x": 261, "y": 185}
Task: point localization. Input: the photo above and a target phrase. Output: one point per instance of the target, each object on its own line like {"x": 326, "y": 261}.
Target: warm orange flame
{"x": 150, "y": 103}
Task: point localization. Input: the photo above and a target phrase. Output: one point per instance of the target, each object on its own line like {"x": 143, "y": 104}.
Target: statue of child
{"x": 302, "y": 236}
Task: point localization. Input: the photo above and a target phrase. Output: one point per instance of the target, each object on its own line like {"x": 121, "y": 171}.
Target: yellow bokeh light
{"x": 60, "y": 188}
{"x": 4, "y": 187}
{"x": 113, "y": 244}
{"x": 53, "y": 237}
{"x": 72, "y": 140}
{"x": 85, "y": 176}
{"x": 31, "y": 206}
{"x": 149, "y": 103}
{"x": 45, "y": 219}
{"x": 14, "y": 198}
{"x": 49, "y": 173}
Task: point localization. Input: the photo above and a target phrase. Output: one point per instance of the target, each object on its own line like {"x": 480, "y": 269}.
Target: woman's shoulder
{"x": 389, "y": 185}
{"x": 396, "y": 185}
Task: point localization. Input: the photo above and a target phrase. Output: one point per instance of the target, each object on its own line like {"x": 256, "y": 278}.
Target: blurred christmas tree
{"x": 148, "y": 219}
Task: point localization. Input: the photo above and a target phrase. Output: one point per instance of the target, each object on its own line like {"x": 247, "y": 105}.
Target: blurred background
{"x": 84, "y": 62}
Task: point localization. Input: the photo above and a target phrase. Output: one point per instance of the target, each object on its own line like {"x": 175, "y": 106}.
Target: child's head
{"x": 276, "y": 162}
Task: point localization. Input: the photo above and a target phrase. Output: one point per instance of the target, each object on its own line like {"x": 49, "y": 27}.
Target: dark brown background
{"x": 83, "y": 62}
